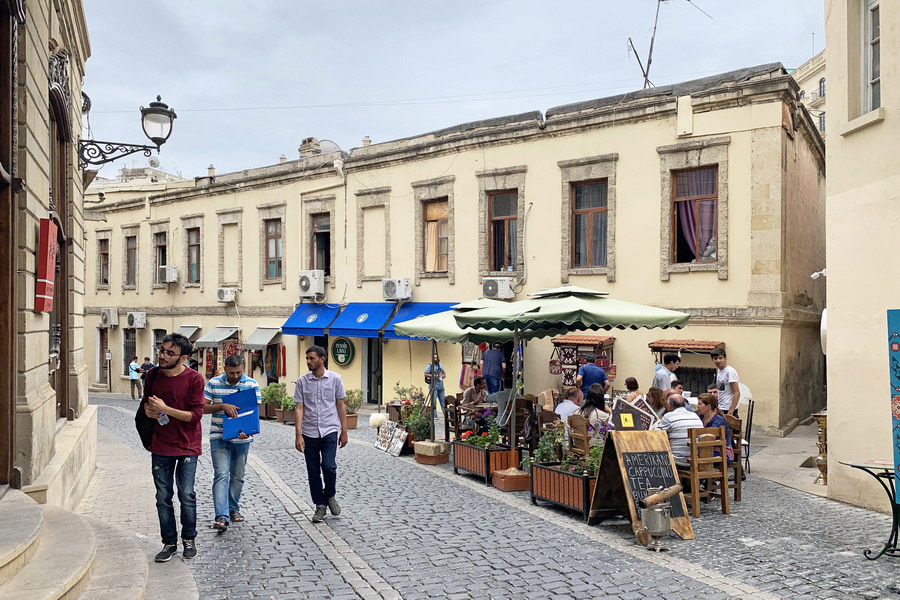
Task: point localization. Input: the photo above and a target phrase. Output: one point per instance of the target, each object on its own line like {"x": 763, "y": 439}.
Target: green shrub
{"x": 273, "y": 393}
{"x": 419, "y": 424}
{"x": 354, "y": 401}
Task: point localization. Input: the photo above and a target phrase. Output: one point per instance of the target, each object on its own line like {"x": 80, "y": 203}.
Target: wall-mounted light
{"x": 156, "y": 121}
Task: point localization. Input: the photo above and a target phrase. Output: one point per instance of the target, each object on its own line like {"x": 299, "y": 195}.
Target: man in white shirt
{"x": 569, "y": 406}
{"x": 676, "y": 423}
{"x": 665, "y": 376}
{"x": 727, "y": 382}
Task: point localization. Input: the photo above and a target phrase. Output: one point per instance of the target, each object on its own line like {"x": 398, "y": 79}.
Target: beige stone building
{"x": 862, "y": 213}
{"x": 47, "y": 430}
{"x": 810, "y": 76}
{"x": 705, "y": 196}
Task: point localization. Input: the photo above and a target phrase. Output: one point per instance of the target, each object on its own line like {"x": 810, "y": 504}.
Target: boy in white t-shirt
{"x": 727, "y": 383}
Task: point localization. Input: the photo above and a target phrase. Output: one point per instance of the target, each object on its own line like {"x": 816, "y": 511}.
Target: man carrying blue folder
{"x": 229, "y": 457}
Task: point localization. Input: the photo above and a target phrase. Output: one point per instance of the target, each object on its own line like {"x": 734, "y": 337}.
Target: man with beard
{"x": 175, "y": 400}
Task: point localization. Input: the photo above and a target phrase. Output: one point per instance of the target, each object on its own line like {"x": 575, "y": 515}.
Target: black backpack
{"x": 145, "y": 425}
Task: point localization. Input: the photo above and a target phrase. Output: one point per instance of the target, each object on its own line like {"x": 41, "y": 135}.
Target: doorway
{"x": 103, "y": 348}
{"x": 374, "y": 374}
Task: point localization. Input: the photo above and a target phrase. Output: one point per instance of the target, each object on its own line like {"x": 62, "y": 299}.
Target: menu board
{"x": 646, "y": 470}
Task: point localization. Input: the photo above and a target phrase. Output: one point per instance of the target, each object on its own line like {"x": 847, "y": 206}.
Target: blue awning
{"x": 412, "y": 310}
{"x": 310, "y": 319}
{"x": 362, "y": 319}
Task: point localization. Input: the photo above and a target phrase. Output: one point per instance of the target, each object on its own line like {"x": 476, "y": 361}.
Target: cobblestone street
{"x": 418, "y": 532}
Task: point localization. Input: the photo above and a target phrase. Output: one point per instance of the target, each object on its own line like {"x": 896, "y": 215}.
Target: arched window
{"x": 822, "y": 122}
{"x": 822, "y": 88}
{"x": 802, "y": 94}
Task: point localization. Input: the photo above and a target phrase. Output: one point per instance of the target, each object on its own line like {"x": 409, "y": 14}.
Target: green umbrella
{"x": 442, "y": 326}
{"x": 569, "y": 308}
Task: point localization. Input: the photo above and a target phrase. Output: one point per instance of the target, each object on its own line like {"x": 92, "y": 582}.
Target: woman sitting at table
{"x": 594, "y": 406}
{"x": 656, "y": 402}
{"x": 634, "y": 392}
{"x": 709, "y": 413}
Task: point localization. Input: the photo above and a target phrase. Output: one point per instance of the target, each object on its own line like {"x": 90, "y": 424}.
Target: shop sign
{"x": 46, "y": 267}
{"x": 342, "y": 351}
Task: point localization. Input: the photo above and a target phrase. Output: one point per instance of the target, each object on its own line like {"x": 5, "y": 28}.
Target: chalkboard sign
{"x": 633, "y": 462}
{"x": 646, "y": 470}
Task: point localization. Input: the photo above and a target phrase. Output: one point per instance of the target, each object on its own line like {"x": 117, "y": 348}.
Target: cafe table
{"x": 883, "y": 472}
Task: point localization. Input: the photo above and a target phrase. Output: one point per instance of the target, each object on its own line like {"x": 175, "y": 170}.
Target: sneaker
{"x": 319, "y": 516}
{"x": 190, "y": 549}
{"x": 333, "y": 506}
{"x": 166, "y": 553}
{"x": 220, "y": 524}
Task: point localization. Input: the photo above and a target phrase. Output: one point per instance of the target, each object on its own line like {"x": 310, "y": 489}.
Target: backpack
{"x": 146, "y": 426}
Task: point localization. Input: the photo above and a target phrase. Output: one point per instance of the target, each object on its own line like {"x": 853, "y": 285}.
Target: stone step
{"x": 98, "y": 388}
{"x": 120, "y": 565}
{"x": 171, "y": 580}
{"x": 61, "y": 567}
{"x": 22, "y": 518}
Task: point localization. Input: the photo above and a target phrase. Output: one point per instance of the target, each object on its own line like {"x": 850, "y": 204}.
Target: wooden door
{"x": 101, "y": 356}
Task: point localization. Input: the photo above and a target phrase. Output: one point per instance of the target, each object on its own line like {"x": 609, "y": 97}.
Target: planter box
{"x": 352, "y": 419}
{"x": 289, "y": 416}
{"x": 393, "y": 411}
{"x": 571, "y": 490}
{"x": 479, "y": 461}
{"x": 438, "y": 459}
{"x": 279, "y": 415}
{"x": 267, "y": 411}
{"x": 510, "y": 483}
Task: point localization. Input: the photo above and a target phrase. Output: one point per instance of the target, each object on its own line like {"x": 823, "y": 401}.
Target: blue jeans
{"x": 229, "y": 460}
{"x": 493, "y": 383}
{"x": 169, "y": 471}
{"x": 321, "y": 462}
{"x": 441, "y": 397}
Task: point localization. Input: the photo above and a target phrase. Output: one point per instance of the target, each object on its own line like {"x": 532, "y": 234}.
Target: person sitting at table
{"x": 634, "y": 392}
{"x": 472, "y": 413}
{"x": 709, "y": 413}
{"x": 570, "y": 405}
{"x": 594, "y": 407}
{"x": 713, "y": 389}
{"x": 676, "y": 423}
{"x": 656, "y": 401}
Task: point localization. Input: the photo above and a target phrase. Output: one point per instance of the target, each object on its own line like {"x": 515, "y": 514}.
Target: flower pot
{"x": 352, "y": 419}
{"x": 288, "y": 416}
{"x": 279, "y": 415}
{"x": 431, "y": 453}
{"x": 481, "y": 461}
{"x": 393, "y": 411}
{"x": 510, "y": 482}
{"x": 571, "y": 490}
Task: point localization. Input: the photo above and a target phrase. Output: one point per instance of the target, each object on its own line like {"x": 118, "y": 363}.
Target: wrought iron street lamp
{"x": 156, "y": 120}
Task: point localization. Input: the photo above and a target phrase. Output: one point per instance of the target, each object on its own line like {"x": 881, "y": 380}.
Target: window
{"x": 273, "y": 248}
{"x": 695, "y": 214}
{"x": 129, "y": 348}
{"x": 822, "y": 88}
{"x": 437, "y": 242}
{"x": 193, "y": 255}
{"x": 160, "y": 254}
{"x": 131, "y": 260}
{"x": 802, "y": 94}
{"x": 503, "y": 228}
{"x": 321, "y": 243}
{"x": 822, "y": 122}
{"x": 589, "y": 224}
{"x": 158, "y": 335}
{"x": 103, "y": 251}
{"x": 871, "y": 23}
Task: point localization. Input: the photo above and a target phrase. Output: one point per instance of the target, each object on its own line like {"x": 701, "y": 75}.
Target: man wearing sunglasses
{"x": 175, "y": 400}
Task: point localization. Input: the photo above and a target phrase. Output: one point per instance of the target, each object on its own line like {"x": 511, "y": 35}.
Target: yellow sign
{"x": 627, "y": 420}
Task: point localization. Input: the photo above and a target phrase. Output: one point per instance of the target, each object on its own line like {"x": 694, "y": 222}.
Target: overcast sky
{"x": 250, "y": 80}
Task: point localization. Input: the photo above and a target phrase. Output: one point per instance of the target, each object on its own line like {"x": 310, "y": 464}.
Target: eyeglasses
{"x": 168, "y": 354}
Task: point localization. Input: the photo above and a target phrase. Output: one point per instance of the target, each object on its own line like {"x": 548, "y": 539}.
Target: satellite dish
{"x": 154, "y": 162}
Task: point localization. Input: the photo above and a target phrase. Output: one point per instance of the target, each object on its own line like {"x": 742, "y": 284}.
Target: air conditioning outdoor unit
{"x": 312, "y": 283}
{"x": 498, "y": 288}
{"x": 109, "y": 317}
{"x": 396, "y": 288}
{"x": 168, "y": 274}
{"x": 226, "y": 295}
{"x": 137, "y": 320}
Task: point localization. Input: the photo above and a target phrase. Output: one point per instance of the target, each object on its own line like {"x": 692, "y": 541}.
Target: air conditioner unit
{"x": 396, "y": 288}
{"x": 312, "y": 283}
{"x": 109, "y": 317}
{"x": 226, "y": 295}
{"x": 137, "y": 320}
{"x": 168, "y": 274}
{"x": 498, "y": 288}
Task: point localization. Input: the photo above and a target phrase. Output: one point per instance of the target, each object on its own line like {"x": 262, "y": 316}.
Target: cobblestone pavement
{"x": 419, "y": 532}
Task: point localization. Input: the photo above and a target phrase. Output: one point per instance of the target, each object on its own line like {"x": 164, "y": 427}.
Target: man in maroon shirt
{"x": 176, "y": 401}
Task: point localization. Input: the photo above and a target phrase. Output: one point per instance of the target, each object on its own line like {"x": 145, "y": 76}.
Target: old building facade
{"x": 706, "y": 196}
{"x": 810, "y": 76}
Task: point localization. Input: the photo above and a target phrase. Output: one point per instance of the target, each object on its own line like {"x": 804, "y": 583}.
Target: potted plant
{"x": 287, "y": 407}
{"x": 568, "y": 482}
{"x": 271, "y": 399}
{"x": 482, "y": 454}
{"x": 406, "y": 398}
{"x": 351, "y": 405}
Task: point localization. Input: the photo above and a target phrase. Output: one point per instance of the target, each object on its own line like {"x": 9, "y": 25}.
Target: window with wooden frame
{"x": 589, "y": 224}
{"x": 437, "y": 241}
{"x": 193, "y": 255}
{"x": 160, "y": 254}
{"x": 503, "y": 226}
{"x": 321, "y": 243}
{"x": 131, "y": 260}
{"x": 129, "y": 348}
{"x": 103, "y": 254}
{"x": 695, "y": 215}
{"x": 871, "y": 51}
{"x": 273, "y": 248}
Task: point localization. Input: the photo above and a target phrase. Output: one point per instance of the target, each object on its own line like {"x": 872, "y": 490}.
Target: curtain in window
{"x": 599, "y": 237}
{"x": 687, "y": 216}
{"x": 431, "y": 246}
{"x": 707, "y": 242}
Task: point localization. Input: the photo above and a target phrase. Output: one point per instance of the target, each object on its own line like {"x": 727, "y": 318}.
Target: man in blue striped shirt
{"x": 229, "y": 457}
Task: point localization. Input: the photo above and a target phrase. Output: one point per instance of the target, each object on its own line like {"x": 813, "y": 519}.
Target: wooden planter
{"x": 571, "y": 490}
{"x": 288, "y": 416}
{"x": 352, "y": 419}
{"x": 267, "y": 411}
{"x": 393, "y": 411}
{"x": 279, "y": 415}
{"x": 479, "y": 461}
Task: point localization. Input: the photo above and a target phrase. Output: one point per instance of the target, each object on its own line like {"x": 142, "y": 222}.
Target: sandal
{"x": 236, "y": 517}
{"x": 220, "y": 524}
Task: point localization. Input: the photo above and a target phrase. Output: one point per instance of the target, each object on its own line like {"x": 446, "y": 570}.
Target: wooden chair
{"x": 706, "y": 467}
{"x": 745, "y": 440}
{"x": 454, "y": 420}
{"x": 736, "y": 466}
{"x": 546, "y": 422}
{"x": 523, "y": 409}
{"x": 549, "y": 399}
{"x": 579, "y": 435}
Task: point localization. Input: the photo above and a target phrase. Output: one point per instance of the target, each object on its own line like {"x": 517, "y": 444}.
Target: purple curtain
{"x": 706, "y": 245}
{"x": 687, "y": 216}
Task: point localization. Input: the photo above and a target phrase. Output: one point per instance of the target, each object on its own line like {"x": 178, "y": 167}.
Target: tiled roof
{"x": 697, "y": 345}
{"x": 584, "y": 339}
